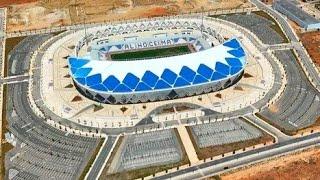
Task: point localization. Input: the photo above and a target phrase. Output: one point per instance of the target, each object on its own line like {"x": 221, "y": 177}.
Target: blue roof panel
{"x": 234, "y": 62}
{"x": 118, "y": 46}
{"x": 199, "y": 79}
{"x": 222, "y": 68}
{"x": 131, "y": 81}
{"x": 143, "y": 87}
{"x": 81, "y": 80}
{"x": 232, "y": 44}
{"x": 235, "y": 70}
{"x": 181, "y": 82}
{"x": 205, "y": 71}
{"x": 122, "y": 88}
{"x": 83, "y": 72}
{"x": 169, "y": 76}
{"x": 77, "y": 63}
{"x": 187, "y": 73}
{"x": 217, "y": 76}
{"x": 111, "y": 82}
{"x": 162, "y": 85}
{"x": 93, "y": 80}
{"x": 241, "y": 49}
{"x": 73, "y": 70}
{"x": 237, "y": 53}
{"x": 150, "y": 78}
{"x": 99, "y": 87}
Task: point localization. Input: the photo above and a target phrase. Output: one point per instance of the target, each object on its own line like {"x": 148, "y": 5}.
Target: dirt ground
{"x": 303, "y": 165}
{"x": 311, "y": 41}
{"x": 4, "y": 3}
{"x": 48, "y": 13}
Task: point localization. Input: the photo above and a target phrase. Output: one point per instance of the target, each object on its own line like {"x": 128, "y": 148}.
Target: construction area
{"x": 33, "y": 14}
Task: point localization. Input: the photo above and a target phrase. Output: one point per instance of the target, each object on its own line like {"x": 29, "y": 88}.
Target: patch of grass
{"x": 91, "y": 160}
{"x": 152, "y": 53}
{"x": 211, "y": 151}
{"x": 139, "y": 173}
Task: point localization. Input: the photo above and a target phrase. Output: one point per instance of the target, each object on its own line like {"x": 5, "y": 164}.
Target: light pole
{"x": 202, "y": 9}
{"x": 85, "y": 30}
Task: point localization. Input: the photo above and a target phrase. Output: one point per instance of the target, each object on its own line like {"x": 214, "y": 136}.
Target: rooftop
{"x": 204, "y": 66}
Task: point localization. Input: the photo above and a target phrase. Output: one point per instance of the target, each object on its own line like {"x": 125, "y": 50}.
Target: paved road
{"x": 278, "y": 17}
{"x": 102, "y": 157}
{"x": 238, "y": 160}
{"x": 305, "y": 58}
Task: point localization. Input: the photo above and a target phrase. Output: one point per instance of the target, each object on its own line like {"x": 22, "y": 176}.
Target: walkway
{"x": 14, "y": 79}
{"x": 284, "y": 46}
{"x": 188, "y": 146}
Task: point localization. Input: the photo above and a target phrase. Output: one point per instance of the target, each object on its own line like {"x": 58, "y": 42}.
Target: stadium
{"x": 174, "y": 97}
{"x": 155, "y": 65}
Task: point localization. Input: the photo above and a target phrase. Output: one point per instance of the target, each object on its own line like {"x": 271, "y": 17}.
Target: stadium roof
{"x": 209, "y": 65}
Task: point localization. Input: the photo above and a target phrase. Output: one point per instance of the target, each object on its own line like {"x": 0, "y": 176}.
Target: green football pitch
{"x": 152, "y": 53}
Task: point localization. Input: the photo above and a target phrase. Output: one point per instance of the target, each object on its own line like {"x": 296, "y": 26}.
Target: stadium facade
{"x": 165, "y": 78}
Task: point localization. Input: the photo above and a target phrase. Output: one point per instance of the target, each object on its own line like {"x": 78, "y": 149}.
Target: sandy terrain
{"x": 304, "y": 165}
{"x": 311, "y": 41}
{"x": 46, "y": 13}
